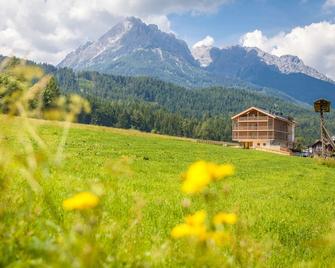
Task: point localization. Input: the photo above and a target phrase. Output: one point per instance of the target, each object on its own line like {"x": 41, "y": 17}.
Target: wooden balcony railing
{"x": 253, "y": 137}
{"x": 252, "y": 128}
{"x": 253, "y": 118}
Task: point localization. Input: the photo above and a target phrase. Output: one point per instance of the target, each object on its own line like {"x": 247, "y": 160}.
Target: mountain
{"x": 287, "y": 74}
{"x": 286, "y": 64}
{"x": 133, "y": 48}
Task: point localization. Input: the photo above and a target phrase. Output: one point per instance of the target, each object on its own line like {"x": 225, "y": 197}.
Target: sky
{"x": 46, "y": 30}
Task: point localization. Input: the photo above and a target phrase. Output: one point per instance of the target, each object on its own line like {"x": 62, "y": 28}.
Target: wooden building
{"x": 257, "y": 128}
{"x": 316, "y": 148}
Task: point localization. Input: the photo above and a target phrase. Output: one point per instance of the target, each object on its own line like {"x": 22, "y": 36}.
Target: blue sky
{"x": 46, "y": 30}
{"x": 234, "y": 19}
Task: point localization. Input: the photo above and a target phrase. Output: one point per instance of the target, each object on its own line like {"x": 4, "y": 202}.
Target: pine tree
{"x": 50, "y": 94}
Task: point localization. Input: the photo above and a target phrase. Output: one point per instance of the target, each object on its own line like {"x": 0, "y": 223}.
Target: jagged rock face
{"x": 286, "y": 64}
{"x": 134, "y": 48}
{"x": 287, "y": 74}
{"x": 289, "y": 64}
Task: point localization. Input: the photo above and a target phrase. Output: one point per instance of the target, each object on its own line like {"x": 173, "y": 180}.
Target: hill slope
{"x": 149, "y": 104}
{"x": 192, "y": 110}
{"x": 287, "y": 202}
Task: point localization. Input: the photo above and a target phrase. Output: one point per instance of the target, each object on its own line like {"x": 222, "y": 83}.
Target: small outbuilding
{"x": 316, "y": 148}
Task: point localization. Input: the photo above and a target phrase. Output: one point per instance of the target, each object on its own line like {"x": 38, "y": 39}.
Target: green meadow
{"x": 285, "y": 205}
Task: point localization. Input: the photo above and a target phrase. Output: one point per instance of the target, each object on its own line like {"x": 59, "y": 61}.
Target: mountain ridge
{"x": 286, "y": 63}
{"x": 144, "y": 47}
{"x": 133, "y": 48}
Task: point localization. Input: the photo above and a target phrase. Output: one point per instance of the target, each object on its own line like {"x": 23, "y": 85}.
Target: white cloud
{"x": 208, "y": 41}
{"x": 329, "y": 4}
{"x": 161, "y": 21}
{"x": 314, "y": 44}
{"x": 46, "y": 30}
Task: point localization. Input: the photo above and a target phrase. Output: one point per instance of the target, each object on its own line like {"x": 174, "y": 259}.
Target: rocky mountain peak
{"x": 289, "y": 64}
{"x": 134, "y": 48}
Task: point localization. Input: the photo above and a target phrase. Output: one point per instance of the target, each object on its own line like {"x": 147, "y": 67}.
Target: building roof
{"x": 319, "y": 141}
{"x": 264, "y": 112}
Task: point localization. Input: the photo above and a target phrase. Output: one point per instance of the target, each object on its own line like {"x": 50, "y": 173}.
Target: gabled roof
{"x": 319, "y": 141}
{"x": 264, "y": 112}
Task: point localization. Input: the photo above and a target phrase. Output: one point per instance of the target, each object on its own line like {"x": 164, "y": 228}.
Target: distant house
{"x": 258, "y": 128}
{"x": 316, "y": 147}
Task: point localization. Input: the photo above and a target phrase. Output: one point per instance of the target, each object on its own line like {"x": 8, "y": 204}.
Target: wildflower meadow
{"x": 86, "y": 196}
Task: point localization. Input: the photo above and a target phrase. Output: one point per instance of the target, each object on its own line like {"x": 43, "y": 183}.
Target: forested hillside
{"x": 152, "y": 105}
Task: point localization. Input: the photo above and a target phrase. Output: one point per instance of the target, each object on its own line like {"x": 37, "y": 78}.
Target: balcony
{"x": 253, "y": 118}
{"x": 238, "y": 136}
{"x": 252, "y": 128}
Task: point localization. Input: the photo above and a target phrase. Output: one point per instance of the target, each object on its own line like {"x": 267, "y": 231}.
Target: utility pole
{"x": 322, "y": 122}
{"x": 323, "y": 106}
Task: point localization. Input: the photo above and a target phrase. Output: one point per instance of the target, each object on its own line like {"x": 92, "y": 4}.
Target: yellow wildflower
{"x": 221, "y": 171}
{"x": 218, "y": 237}
{"x": 199, "y": 232}
{"x": 181, "y": 230}
{"x": 201, "y": 173}
{"x": 194, "y": 226}
{"x": 221, "y": 218}
{"x": 197, "y": 218}
{"x": 197, "y": 178}
{"x": 81, "y": 201}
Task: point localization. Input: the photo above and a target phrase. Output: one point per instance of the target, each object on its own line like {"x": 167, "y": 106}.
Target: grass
{"x": 287, "y": 203}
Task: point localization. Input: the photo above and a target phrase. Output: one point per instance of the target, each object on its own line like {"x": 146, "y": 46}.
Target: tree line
{"x": 150, "y": 117}
{"x": 151, "y": 105}
{"x": 199, "y": 113}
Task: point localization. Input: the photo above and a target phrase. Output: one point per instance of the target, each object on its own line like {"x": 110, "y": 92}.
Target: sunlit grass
{"x": 286, "y": 203}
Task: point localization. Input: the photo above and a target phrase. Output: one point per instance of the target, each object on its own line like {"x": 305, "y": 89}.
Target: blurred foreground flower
{"x": 195, "y": 226}
{"x": 201, "y": 173}
{"x": 81, "y": 201}
{"x": 219, "y": 237}
{"x": 221, "y": 218}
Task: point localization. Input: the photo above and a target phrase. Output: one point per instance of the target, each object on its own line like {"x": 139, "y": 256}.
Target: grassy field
{"x": 286, "y": 204}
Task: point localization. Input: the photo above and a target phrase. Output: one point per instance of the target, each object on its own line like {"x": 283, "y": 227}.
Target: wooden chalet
{"x": 258, "y": 128}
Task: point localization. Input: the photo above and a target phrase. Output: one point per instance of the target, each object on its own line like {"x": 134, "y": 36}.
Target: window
{"x": 264, "y": 144}
{"x": 258, "y": 144}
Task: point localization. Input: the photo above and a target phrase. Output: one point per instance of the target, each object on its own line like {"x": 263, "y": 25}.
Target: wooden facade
{"x": 257, "y": 128}
{"x": 316, "y": 148}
